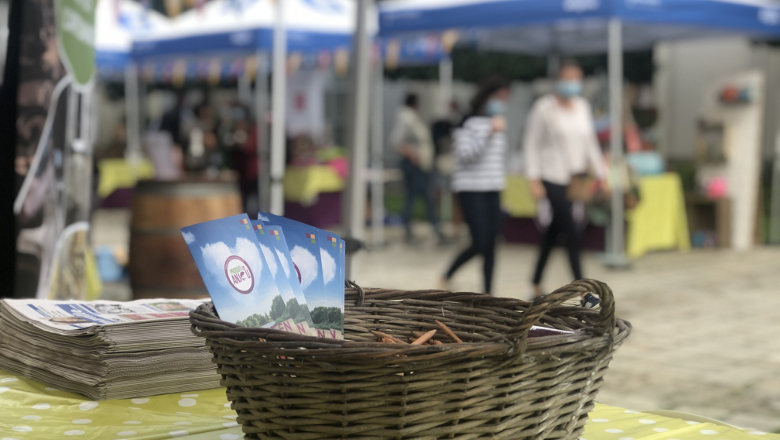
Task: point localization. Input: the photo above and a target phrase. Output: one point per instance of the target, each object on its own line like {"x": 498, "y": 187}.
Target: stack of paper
{"x": 106, "y": 349}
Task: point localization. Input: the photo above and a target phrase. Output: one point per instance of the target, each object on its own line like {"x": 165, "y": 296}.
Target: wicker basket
{"x": 497, "y": 384}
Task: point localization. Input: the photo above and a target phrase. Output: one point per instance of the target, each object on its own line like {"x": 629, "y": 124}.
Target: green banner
{"x": 76, "y": 34}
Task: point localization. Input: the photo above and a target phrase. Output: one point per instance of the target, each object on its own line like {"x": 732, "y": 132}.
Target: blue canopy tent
{"x": 116, "y": 24}
{"x": 257, "y": 27}
{"x": 580, "y": 27}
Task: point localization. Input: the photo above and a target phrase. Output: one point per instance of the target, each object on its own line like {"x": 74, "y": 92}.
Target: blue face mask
{"x": 569, "y": 89}
{"x": 495, "y": 107}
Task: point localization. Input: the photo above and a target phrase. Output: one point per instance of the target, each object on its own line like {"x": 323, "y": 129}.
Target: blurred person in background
{"x": 560, "y": 144}
{"x": 480, "y": 150}
{"x": 412, "y": 138}
{"x": 203, "y": 152}
{"x": 172, "y": 119}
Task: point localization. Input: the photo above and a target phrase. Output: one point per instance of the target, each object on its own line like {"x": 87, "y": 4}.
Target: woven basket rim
{"x": 205, "y": 323}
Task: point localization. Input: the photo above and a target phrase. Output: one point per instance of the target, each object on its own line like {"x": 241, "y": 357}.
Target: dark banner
{"x": 53, "y": 166}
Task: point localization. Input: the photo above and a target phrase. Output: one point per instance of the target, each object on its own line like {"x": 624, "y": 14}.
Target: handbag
{"x": 582, "y": 188}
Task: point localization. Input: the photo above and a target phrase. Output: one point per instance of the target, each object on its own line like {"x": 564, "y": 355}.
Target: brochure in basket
{"x": 333, "y": 278}
{"x": 307, "y": 244}
{"x": 236, "y": 274}
{"x": 278, "y": 258}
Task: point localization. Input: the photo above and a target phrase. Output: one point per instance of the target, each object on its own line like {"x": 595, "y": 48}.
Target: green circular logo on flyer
{"x": 76, "y": 35}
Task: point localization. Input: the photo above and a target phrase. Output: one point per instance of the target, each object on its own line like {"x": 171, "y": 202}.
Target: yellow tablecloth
{"x": 30, "y": 410}
{"x": 303, "y": 184}
{"x": 119, "y": 173}
{"x": 659, "y": 221}
{"x": 516, "y": 198}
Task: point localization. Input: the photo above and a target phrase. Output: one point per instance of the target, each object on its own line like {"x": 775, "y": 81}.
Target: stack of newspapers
{"x": 106, "y": 349}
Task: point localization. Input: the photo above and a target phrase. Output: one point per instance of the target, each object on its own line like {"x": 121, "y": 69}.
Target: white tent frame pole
{"x": 132, "y": 114}
{"x": 261, "y": 107}
{"x": 774, "y": 215}
{"x": 616, "y": 251}
{"x": 445, "y": 84}
{"x": 446, "y": 94}
{"x": 354, "y": 210}
{"x": 278, "y": 101}
{"x": 377, "y": 160}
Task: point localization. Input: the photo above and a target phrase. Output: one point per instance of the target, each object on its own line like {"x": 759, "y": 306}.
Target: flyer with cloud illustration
{"x": 306, "y": 249}
{"x": 277, "y": 256}
{"x": 235, "y": 272}
{"x": 332, "y": 278}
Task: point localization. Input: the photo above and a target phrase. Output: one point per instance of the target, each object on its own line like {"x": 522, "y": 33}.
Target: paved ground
{"x": 706, "y": 336}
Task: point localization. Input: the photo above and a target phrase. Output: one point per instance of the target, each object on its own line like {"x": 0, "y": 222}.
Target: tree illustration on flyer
{"x": 333, "y": 302}
{"x": 278, "y": 258}
{"x": 304, "y": 242}
{"x": 238, "y": 277}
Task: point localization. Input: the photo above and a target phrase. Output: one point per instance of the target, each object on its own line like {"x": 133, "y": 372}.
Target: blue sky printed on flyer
{"x": 308, "y": 244}
{"x": 233, "y": 268}
{"x": 331, "y": 269}
{"x": 305, "y": 254}
{"x": 283, "y": 252}
{"x": 280, "y": 264}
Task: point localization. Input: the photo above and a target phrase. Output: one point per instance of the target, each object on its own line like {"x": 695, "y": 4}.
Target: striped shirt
{"x": 480, "y": 157}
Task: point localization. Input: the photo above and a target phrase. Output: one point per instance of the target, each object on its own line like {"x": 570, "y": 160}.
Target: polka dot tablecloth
{"x": 32, "y": 411}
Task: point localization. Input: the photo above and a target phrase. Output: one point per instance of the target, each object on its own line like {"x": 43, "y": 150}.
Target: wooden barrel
{"x": 161, "y": 265}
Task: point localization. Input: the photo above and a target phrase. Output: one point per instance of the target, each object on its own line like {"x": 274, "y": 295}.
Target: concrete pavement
{"x": 706, "y": 336}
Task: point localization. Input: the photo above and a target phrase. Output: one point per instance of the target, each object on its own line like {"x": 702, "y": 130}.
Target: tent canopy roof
{"x": 247, "y": 26}
{"x": 116, "y": 24}
{"x": 577, "y": 26}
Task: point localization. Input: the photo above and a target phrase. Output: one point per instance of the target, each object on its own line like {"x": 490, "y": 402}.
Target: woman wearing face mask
{"x": 480, "y": 150}
{"x": 560, "y": 142}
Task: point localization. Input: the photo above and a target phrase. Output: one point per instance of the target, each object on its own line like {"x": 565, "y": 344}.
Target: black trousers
{"x": 562, "y": 225}
{"x": 482, "y": 212}
{"x": 418, "y": 182}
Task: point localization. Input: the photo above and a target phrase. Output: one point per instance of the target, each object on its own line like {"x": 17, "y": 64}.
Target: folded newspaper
{"x": 106, "y": 349}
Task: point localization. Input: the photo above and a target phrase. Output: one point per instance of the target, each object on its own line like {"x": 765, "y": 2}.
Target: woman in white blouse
{"x": 560, "y": 142}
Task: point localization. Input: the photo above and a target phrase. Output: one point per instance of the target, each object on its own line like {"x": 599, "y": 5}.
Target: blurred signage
{"x": 76, "y": 35}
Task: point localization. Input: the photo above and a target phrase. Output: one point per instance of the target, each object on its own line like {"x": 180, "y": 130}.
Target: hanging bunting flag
{"x": 215, "y": 71}
{"x": 324, "y": 59}
{"x": 117, "y": 8}
{"x": 147, "y": 72}
{"x": 341, "y": 61}
{"x": 250, "y": 68}
{"x": 448, "y": 40}
{"x": 236, "y": 68}
{"x": 199, "y": 4}
{"x": 173, "y": 7}
{"x": 294, "y": 63}
{"x": 179, "y": 75}
{"x": 392, "y": 54}
{"x": 202, "y": 69}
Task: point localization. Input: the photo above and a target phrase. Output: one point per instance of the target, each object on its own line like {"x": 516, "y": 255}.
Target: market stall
{"x": 569, "y": 27}
{"x": 298, "y": 34}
